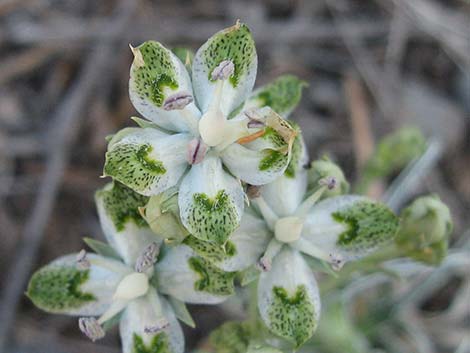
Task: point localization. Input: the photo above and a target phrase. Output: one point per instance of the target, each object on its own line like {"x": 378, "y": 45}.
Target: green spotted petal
{"x": 288, "y": 298}
{"x": 156, "y": 73}
{"x": 211, "y": 201}
{"x": 60, "y": 287}
{"x": 236, "y": 44}
{"x": 245, "y": 247}
{"x": 282, "y": 95}
{"x": 146, "y": 312}
{"x": 125, "y": 229}
{"x": 266, "y": 158}
{"x": 186, "y": 276}
{"x": 351, "y": 226}
{"x": 147, "y": 160}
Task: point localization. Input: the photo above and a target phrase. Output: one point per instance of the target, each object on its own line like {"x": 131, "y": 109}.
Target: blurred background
{"x": 372, "y": 66}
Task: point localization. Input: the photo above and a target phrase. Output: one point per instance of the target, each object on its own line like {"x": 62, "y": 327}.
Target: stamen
{"x": 253, "y": 121}
{"x": 268, "y": 214}
{"x": 265, "y": 262}
{"x": 252, "y": 137}
{"x": 91, "y": 328}
{"x": 82, "y": 261}
{"x": 337, "y": 261}
{"x": 159, "y": 326}
{"x": 147, "y": 258}
{"x": 327, "y": 183}
{"x": 178, "y": 101}
{"x": 253, "y": 191}
{"x": 196, "y": 151}
{"x": 223, "y": 71}
{"x": 330, "y": 182}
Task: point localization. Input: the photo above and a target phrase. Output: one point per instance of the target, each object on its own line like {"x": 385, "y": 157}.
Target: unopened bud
{"x": 223, "y": 71}
{"x": 91, "y": 328}
{"x": 177, "y": 101}
{"x": 425, "y": 228}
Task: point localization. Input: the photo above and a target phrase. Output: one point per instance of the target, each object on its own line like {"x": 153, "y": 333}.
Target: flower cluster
{"x": 213, "y": 185}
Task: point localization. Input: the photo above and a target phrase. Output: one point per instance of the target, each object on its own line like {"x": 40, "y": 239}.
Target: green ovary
{"x": 369, "y": 225}
{"x": 57, "y": 289}
{"x": 157, "y": 73}
{"x": 212, "y": 219}
{"x": 212, "y": 279}
{"x": 132, "y": 165}
{"x": 122, "y": 205}
{"x": 292, "y": 317}
{"x": 159, "y": 344}
{"x": 235, "y": 44}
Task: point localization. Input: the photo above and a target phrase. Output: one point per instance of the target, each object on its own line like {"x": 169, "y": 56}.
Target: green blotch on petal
{"x": 156, "y": 72}
{"x": 132, "y": 165}
{"x": 231, "y": 337}
{"x": 282, "y": 95}
{"x": 292, "y": 317}
{"x": 274, "y": 138}
{"x": 159, "y": 344}
{"x": 122, "y": 205}
{"x": 234, "y": 43}
{"x": 369, "y": 224}
{"x": 210, "y": 251}
{"x": 212, "y": 279}
{"x": 272, "y": 160}
{"x": 57, "y": 289}
{"x": 296, "y": 154}
{"x": 213, "y": 219}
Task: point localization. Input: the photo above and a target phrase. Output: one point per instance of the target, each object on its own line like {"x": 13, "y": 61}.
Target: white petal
{"x": 60, "y": 287}
{"x": 250, "y": 241}
{"x": 155, "y": 75}
{"x": 125, "y": 229}
{"x": 147, "y": 160}
{"x": 211, "y": 201}
{"x": 147, "y": 312}
{"x": 288, "y": 297}
{"x": 235, "y": 44}
{"x": 285, "y": 194}
{"x": 350, "y": 226}
{"x": 191, "y": 279}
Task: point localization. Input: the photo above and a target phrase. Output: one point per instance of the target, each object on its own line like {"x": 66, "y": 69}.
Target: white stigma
{"x": 132, "y": 286}
{"x": 288, "y": 229}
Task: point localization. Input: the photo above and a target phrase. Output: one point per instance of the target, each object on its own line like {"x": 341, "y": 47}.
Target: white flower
{"x": 128, "y": 281}
{"x": 287, "y": 229}
{"x": 208, "y": 123}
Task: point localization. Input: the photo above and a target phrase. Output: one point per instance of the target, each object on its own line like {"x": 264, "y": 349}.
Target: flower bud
{"x": 162, "y": 215}
{"x": 323, "y": 169}
{"x": 425, "y": 228}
